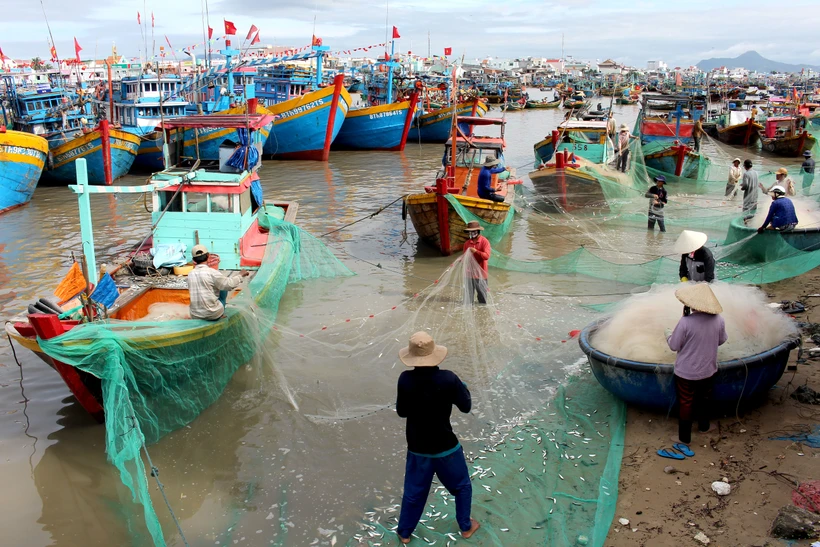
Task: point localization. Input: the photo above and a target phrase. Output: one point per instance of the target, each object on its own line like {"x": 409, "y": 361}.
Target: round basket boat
{"x": 652, "y": 385}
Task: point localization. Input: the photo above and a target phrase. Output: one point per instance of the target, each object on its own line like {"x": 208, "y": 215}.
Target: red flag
{"x": 139, "y": 20}
{"x": 53, "y": 53}
{"x": 396, "y": 33}
{"x": 210, "y": 33}
{"x": 169, "y": 42}
{"x": 230, "y": 28}
{"x": 448, "y": 51}
{"x": 1, "y": 54}
{"x": 315, "y": 41}
{"x": 152, "y": 19}
{"x": 251, "y": 32}
{"x": 255, "y": 39}
{"x": 77, "y": 49}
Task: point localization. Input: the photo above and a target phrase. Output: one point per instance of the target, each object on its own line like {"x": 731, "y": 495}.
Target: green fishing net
{"x": 159, "y": 376}
{"x": 493, "y": 232}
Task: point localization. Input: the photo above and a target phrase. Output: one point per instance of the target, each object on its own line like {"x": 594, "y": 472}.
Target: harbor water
{"x": 299, "y": 449}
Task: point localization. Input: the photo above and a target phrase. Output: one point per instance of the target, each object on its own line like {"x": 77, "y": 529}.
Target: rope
{"x": 365, "y": 217}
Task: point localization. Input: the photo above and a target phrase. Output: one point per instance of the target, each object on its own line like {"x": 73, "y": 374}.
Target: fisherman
{"x": 750, "y": 187}
{"x": 735, "y": 175}
{"x": 753, "y": 114}
{"x": 807, "y": 168}
{"x": 485, "y": 179}
{"x": 610, "y": 126}
{"x": 658, "y": 196}
{"x": 208, "y": 287}
{"x": 696, "y": 339}
{"x": 696, "y": 262}
{"x": 425, "y": 397}
{"x": 781, "y": 215}
{"x": 479, "y": 248}
{"x": 783, "y": 179}
{"x": 623, "y": 148}
{"x": 697, "y": 134}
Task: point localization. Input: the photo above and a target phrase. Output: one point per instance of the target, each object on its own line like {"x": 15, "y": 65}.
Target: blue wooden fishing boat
{"x": 652, "y": 385}
{"x": 64, "y": 119}
{"x": 380, "y": 127}
{"x": 22, "y": 157}
{"x": 674, "y": 159}
{"x": 434, "y": 126}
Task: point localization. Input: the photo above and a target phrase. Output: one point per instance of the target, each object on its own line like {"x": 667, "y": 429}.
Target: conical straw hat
{"x": 700, "y": 298}
{"x": 689, "y": 242}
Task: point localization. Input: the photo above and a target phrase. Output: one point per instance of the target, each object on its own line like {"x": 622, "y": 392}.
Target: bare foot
{"x": 474, "y": 525}
{"x": 403, "y": 540}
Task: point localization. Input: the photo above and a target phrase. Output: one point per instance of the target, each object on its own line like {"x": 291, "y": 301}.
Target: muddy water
{"x": 252, "y": 470}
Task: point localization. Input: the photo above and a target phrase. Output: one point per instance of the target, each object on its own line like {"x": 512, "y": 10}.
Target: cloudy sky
{"x": 680, "y": 33}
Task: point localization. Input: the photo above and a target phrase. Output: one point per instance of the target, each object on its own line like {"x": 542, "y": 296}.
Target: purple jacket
{"x": 696, "y": 339}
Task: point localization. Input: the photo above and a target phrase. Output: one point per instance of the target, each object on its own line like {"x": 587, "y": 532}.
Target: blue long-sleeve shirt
{"x": 781, "y": 213}
{"x": 485, "y": 179}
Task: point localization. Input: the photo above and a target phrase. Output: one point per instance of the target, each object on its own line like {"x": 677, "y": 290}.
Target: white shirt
{"x": 204, "y": 284}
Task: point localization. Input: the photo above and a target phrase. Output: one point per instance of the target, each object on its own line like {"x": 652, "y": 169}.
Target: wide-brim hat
{"x": 737, "y": 160}
{"x": 623, "y": 127}
{"x": 422, "y": 351}
{"x": 689, "y": 241}
{"x": 700, "y": 298}
{"x": 806, "y": 154}
{"x": 490, "y": 161}
{"x": 473, "y": 226}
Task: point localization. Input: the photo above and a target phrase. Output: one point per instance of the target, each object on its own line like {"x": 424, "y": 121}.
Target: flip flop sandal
{"x": 680, "y": 447}
{"x": 669, "y": 453}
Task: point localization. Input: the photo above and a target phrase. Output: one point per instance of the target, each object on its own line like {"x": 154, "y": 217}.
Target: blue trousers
{"x": 223, "y": 297}
{"x": 451, "y": 471}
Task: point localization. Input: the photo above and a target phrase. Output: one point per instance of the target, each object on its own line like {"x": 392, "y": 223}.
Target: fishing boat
{"x": 782, "y": 136}
{"x": 652, "y": 385}
{"x": 574, "y": 104}
{"x": 544, "y": 104}
{"x": 221, "y": 208}
{"x": 434, "y": 126}
{"x": 435, "y": 212}
{"x": 22, "y": 157}
{"x": 666, "y": 136}
{"x": 737, "y": 127}
{"x": 64, "y": 119}
{"x": 626, "y": 100}
{"x": 767, "y": 244}
{"x": 585, "y": 138}
{"x": 512, "y": 106}
{"x": 675, "y": 159}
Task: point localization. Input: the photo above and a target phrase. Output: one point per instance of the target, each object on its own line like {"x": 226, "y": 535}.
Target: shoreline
{"x": 670, "y": 509}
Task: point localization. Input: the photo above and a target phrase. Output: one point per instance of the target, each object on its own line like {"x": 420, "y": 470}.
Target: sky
{"x": 631, "y": 32}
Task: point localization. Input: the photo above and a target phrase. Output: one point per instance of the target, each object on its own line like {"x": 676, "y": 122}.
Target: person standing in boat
{"x": 477, "y": 253}
{"x": 696, "y": 339}
{"x": 807, "y": 169}
{"x": 735, "y": 174}
{"x": 697, "y": 134}
{"x": 425, "y": 397}
{"x": 658, "y": 195}
{"x": 208, "y": 287}
{"x": 485, "y": 179}
{"x": 696, "y": 262}
{"x": 622, "y": 152}
{"x": 781, "y": 217}
{"x": 750, "y": 186}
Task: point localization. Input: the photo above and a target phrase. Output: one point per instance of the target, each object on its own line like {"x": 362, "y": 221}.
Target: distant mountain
{"x": 752, "y": 60}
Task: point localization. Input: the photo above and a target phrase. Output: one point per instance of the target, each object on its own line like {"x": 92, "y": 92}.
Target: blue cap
{"x": 660, "y": 178}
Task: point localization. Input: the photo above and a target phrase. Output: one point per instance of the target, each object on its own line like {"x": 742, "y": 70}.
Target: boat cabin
{"x": 283, "y": 82}
{"x": 780, "y": 126}
{"x": 587, "y": 139}
{"x": 472, "y": 151}
{"x": 138, "y": 100}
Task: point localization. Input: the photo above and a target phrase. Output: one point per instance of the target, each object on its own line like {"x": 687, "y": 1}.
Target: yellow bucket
{"x": 183, "y": 270}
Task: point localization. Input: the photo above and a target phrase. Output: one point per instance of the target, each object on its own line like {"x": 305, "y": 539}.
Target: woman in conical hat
{"x": 696, "y": 339}
{"x": 696, "y": 262}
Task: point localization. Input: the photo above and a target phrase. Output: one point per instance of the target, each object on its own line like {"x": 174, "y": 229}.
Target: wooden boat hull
{"x": 567, "y": 190}
{"x": 652, "y": 385}
{"x": 789, "y": 147}
{"x": 22, "y": 157}
{"x": 666, "y": 160}
{"x": 625, "y": 101}
{"x": 544, "y": 150}
{"x": 434, "y": 126}
{"x": 573, "y": 104}
{"x": 383, "y": 127}
{"x": 741, "y": 134}
{"x": 306, "y": 126}
{"x": 538, "y": 104}
{"x": 422, "y": 209}
{"x": 802, "y": 239}
{"x": 61, "y": 170}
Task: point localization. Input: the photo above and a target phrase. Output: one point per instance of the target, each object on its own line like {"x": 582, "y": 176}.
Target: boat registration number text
{"x": 303, "y": 108}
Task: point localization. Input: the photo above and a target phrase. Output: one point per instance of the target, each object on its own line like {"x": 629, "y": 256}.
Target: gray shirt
{"x": 749, "y": 185}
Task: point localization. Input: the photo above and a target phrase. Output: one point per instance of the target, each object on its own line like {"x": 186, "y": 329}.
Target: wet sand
{"x": 670, "y": 509}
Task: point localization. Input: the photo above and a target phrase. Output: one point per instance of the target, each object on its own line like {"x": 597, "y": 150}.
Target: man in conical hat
{"x": 426, "y": 395}
{"x": 696, "y": 262}
{"x": 696, "y": 339}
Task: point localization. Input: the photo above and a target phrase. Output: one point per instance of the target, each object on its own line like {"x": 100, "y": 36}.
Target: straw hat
{"x": 700, "y": 298}
{"x": 489, "y": 162}
{"x": 689, "y": 242}
{"x": 422, "y": 351}
{"x": 782, "y": 171}
{"x": 623, "y": 127}
{"x": 736, "y": 160}
{"x": 473, "y": 226}
{"x": 199, "y": 250}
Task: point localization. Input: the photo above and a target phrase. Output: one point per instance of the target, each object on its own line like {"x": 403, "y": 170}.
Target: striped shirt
{"x": 204, "y": 284}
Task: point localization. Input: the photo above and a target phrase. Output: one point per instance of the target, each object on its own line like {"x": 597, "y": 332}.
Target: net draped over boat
{"x": 159, "y": 376}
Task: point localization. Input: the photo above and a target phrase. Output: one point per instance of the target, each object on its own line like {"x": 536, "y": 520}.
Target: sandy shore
{"x": 670, "y": 509}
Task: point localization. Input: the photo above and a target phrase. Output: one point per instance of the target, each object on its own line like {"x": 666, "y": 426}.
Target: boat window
{"x": 175, "y": 202}
{"x": 244, "y": 202}
{"x": 221, "y": 203}
{"x": 196, "y": 202}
